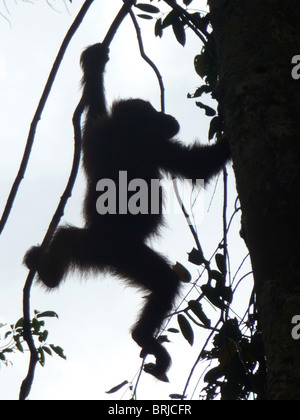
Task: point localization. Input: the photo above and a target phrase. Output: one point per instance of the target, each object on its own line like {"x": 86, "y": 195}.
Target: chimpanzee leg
{"x": 146, "y": 269}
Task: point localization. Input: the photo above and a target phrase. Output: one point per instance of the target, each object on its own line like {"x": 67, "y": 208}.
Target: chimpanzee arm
{"x": 194, "y": 162}
{"x": 93, "y": 61}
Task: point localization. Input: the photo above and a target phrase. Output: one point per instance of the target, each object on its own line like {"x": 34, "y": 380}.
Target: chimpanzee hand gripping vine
{"x": 136, "y": 140}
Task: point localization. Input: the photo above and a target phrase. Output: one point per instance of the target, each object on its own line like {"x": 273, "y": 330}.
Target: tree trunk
{"x": 260, "y": 101}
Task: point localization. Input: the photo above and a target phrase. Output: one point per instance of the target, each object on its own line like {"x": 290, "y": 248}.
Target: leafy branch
{"x": 15, "y": 335}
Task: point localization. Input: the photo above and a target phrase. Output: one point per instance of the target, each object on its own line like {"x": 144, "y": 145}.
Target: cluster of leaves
{"x": 205, "y": 63}
{"x": 236, "y": 358}
{"x": 241, "y": 369}
{"x": 174, "y": 19}
{"x": 220, "y": 295}
{"x": 15, "y": 335}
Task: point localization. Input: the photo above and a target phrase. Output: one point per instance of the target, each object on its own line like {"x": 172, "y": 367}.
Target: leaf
{"x": 201, "y": 21}
{"x": 213, "y": 296}
{"x": 43, "y": 336}
{"x": 47, "y": 314}
{"x": 163, "y": 339}
{"x": 225, "y": 292}
{"x": 18, "y": 343}
{"x": 8, "y": 351}
{"x": 173, "y": 330}
{"x": 169, "y": 19}
{"x": 147, "y": 8}
{"x": 179, "y": 32}
{"x": 183, "y": 274}
{"x": 177, "y": 396}
{"x": 42, "y": 358}
{"x": 215, "y": 127}
{"x": 7, "y": 334}
{"x": 221, "y": 264}
{"x": 47, "y": 350}
{"x": 210, "y": 112}
{"x": 213, "y": 374}
{"x": 216, "y": 275}
{"x": 58, "y": 350}
{"x": 36, "y": 325}
{"x": 117, "y": 388}
{"x": 19, "y": 324}
{"x": 151, "y": 368}
{"x": 196, "y": 307}
{"x": 196, "y": 257}
{"x": 186, "y": 329}
{"x": 227, "y": 353}
{"x": 200, "y": 91}
{"x": 147, "y": 17}
{"x": 158, "y": 29}
{"x": 200, "y": 66}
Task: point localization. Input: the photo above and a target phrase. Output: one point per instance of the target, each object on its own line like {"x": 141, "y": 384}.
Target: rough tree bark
{"x": 255, "y": 43}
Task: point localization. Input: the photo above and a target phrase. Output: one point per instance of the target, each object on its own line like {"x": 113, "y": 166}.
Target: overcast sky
{"x": 96, "y": 314}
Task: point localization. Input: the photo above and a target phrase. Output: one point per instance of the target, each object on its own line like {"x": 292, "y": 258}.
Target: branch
{"x": 34, "y": 358}
{"x": 188, "y": 19}
{"x": 39, "y": 111}
{"x": 225, "y": 228}
{"x": 149, "y": 61}
{"x": 126, "y": 8}
{"x": 27, "y": 383}
{"x": 191, "y": 227}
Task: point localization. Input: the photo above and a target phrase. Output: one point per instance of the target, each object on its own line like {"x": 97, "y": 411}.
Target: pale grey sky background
{"x": 96, "y": 314}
